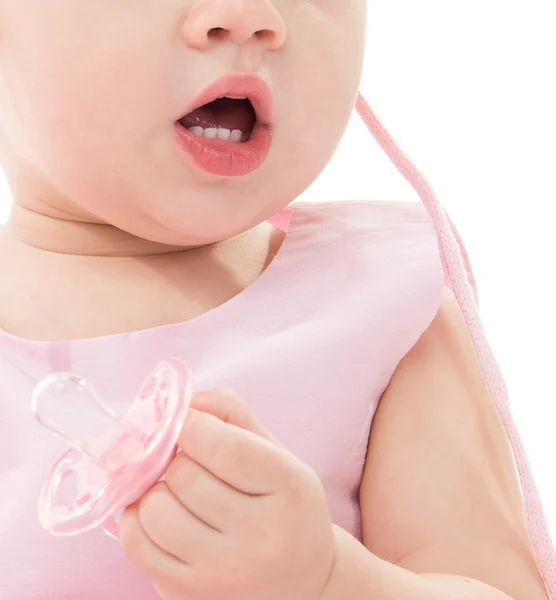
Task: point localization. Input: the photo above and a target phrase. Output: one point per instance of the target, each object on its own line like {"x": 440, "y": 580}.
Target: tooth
{"x": 211, "y": 133}
{"x": 223, "y": 134}
{"x": 236, "y": 135}
{"x": 197, "y": 130}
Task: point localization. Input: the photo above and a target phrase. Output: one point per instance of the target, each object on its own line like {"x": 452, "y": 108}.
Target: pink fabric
{"x": 458, "y": 271}
{"x": 311, "y": 345}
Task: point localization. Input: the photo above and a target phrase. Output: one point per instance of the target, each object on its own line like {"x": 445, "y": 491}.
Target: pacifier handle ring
{"x": 62, "y": 471}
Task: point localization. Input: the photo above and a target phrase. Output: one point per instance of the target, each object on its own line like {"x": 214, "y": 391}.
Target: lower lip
{"x": 227, "y": 159}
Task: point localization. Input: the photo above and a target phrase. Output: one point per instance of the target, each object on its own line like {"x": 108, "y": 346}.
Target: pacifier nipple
{"x": 70, "y": 408}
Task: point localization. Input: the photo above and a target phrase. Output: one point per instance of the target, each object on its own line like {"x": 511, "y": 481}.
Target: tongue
{"x": 224, "y": 112}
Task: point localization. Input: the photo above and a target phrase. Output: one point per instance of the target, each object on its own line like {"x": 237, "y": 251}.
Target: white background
{"x": 465, "y": 88}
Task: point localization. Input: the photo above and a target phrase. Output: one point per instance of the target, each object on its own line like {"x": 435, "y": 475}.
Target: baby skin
{"x": 146, "y": 145}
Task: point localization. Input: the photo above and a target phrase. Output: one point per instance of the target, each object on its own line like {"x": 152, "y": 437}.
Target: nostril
{"x": 218, "y": 33}
{"x": 266, "y": 35}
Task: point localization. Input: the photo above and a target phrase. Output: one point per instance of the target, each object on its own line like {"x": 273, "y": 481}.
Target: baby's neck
{"x": 64, "y": 234}
{"x": 67, "y": 280}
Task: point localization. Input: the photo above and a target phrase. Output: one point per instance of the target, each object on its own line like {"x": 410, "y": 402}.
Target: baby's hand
{"x": 239, "y": 517}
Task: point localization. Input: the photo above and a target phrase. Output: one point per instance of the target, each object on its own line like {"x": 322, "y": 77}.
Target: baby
{"x": 348, "y": 438}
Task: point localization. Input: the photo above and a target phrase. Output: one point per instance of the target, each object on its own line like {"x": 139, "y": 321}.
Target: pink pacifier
{"x": 114, "y": 458}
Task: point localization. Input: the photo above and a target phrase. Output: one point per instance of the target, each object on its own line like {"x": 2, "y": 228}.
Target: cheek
{"x": 85, "y": 134}
{"x": 84, "y": 116}
{"x": 84, "y": 159}
{"x": 326, "y": 58}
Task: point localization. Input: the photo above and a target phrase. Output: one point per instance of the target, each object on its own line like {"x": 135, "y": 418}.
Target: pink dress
{"x": 311, "y": 345}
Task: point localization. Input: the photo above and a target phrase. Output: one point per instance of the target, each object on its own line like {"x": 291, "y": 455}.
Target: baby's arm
{"x": 440, "y": 499}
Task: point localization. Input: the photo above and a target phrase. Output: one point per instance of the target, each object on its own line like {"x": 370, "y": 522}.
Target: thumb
{"x": 227, "y": 406}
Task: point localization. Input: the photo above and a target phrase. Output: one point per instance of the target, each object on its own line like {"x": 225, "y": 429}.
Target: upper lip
{"x": 239, "y": 86}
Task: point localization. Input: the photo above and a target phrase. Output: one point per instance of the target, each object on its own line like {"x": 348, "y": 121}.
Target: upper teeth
{"x": 221, "y": 133}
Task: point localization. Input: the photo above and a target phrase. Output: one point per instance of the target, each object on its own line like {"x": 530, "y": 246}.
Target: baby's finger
{"x": 249, "y": 463}
{"x": 210, "y": 499}
{"x": 229, "y": 407}
{"x": 142, "y": 552}
{"x": 174, "y": 529}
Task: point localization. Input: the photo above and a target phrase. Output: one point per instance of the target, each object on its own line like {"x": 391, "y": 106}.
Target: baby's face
{"x": 90, "y": 92}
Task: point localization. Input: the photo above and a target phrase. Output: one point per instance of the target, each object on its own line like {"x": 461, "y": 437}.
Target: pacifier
{"x": 115, "y": 456}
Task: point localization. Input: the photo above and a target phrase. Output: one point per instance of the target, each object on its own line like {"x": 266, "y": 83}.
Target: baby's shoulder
{"x": 370, "y": 243}
{"x": 367, "y": 224}
{"x": 368, "y": 214}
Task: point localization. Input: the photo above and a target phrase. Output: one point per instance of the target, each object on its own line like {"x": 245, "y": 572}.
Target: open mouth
{"x": 228, "y": 131}
{"x": 227, "y": 119}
